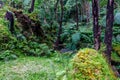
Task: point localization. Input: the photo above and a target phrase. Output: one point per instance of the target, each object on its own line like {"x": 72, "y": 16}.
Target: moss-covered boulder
{"x": 88, "y": 64}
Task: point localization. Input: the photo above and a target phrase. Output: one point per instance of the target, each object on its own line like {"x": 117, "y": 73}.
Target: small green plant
{"x": 7, "y": 55}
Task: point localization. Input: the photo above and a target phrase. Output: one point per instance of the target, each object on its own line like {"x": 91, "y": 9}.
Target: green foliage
{"x": 70, "y": 36}
{"x": 33, "y": 48}
{"x": 75, "y": 38}
{"x": 103, "y": 3}
{"x": 89, "y": 64}
{"x": 117, "y": 18}
{"x": 22, "y": 48}
{"x": 115, "y": 57}
{"x": 116, "y": 48}
{"x": 103, "y": 21}
{"x": 40, "y": 49}
{"x": 118, "y": 38}
{"x": 26, "y": 4}
{"x": 5, "y": 35}
{"x": 7, "y": 55}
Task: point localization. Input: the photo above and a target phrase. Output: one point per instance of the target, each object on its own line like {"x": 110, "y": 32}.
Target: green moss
{"x": 88, "y": 64}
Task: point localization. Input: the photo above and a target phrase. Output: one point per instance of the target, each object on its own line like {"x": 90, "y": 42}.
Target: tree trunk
{"x": 77, "y": 19}
{"x": 109, "y": 26}
{"x": 58, "y": 41}
{"x": 96, "y": 28}
{"x": 55, "y": 9}
{"x": 32, "y": 6}
{"x": 87, "y": 11}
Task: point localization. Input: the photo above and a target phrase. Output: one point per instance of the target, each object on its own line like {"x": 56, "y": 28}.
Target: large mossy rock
{"x": 88, "y": 64}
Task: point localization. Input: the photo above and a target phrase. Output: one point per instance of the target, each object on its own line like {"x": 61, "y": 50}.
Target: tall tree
{"x": 96, "y": 28}
{"x": 87, "y": 6}
{"x": 55, "y": 8}
{"x": 77, "y": 19}
{"x": 109, "y": 26}
{"x": 32, "y": 6}
{"x": 58, "y": 41}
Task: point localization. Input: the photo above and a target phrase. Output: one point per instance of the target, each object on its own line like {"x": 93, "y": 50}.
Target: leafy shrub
{"x": 40, "y": 49}
{"x": 88, "y": 64}
{"x": 115, "y": 57}
{"x": 7, "y": 55}
{"x": 32, "y": 48}
{"x": 74, "y": 39}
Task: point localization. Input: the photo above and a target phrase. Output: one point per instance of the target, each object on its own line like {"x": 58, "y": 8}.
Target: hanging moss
{"x": 88, "y": 64}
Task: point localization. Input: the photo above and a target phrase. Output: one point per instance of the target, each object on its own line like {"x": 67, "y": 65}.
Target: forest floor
{"x": 32, "y": 68}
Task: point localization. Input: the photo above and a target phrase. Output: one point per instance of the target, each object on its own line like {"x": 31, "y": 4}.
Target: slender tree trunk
{"x": 55, "y": 9}
{"x": 109, "y": 26}
{"x": 88, "y": 11}
{"x": 58, "y": 41}
{"x": 32, "y": 6}
{"x": 96, "y": 28}
{"x": 77, "y": 18}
